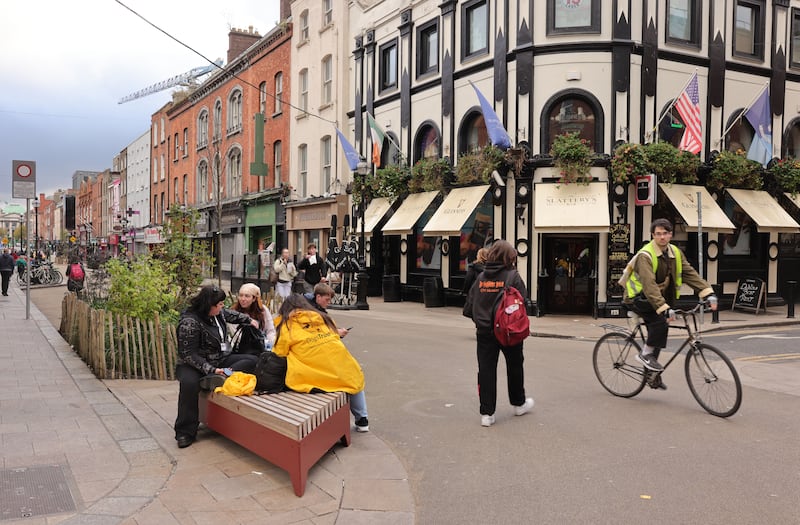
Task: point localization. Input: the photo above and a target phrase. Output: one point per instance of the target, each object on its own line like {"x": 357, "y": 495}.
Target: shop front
{"x": 232, "y": 240}
{"x": 310, "y": 222}
{"x": 378, "y": 248}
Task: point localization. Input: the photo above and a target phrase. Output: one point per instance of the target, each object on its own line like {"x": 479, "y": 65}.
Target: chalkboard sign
{"x": 618, "y": 257}
{"x": 750, "y": 293}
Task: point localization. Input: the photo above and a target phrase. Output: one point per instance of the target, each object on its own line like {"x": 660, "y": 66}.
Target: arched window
{"x": 472, "y": 135}
{"x": 202, "y": 182}
{"x": 671, "y": 128}
{"x": 740, "y": 135}
{"x": 389, "y": 152}
{"x": 304, "y": 26}
{"x": 216, "y": 176}
{"x": 428, "y": 143}
{"x": 217, "y": 121}
{"x": 573, "y": 111}
{"x": 791, "y": 140}
{"x": 235, "y": 111}
{"x": 234, "y": 177}
{"x": 202, "y": 129}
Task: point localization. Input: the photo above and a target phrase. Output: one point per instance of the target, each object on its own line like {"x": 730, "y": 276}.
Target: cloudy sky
{"x": 65, "y": 65}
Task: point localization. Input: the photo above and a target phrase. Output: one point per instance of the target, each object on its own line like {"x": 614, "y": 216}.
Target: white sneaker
{"x": 487, "y": 421}
{"x": 525, "y": 407}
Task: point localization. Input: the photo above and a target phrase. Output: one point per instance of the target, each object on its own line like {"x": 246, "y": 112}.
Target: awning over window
{"x": 575, "y": 208}
{"x": 454, "y": 212}
{"x": 684, "y": 198}
{"x": 765, "y": 211}
{"x": 375, "y": 212}
{"x": 406, "y": 216}
{"x": 794, "y": 198}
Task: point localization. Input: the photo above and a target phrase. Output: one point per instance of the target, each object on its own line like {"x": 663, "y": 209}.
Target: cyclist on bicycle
{"x": 659, "y": 271}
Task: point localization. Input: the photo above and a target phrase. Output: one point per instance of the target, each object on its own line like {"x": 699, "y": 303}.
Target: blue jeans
{"x": 358, "y": 405}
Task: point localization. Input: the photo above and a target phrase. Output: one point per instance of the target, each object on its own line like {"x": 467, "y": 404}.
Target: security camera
{"x": 498, "y": 179}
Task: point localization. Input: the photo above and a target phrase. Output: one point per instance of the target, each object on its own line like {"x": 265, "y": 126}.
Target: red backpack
{"x": 511, "y": 323}
{"x": 76, "y": 272}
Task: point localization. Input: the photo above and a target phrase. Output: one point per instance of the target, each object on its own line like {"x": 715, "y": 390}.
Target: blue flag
{"x": 350, "y": 153}
{"x": 760, "y": 117}
{"x": 497, "y": 133}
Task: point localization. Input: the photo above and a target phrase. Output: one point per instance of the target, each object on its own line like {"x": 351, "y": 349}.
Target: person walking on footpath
{"x": 500, "y": 271}
{"x": 313, "y": 266}
{"x": 286, "y": 271}
{"x": 659, "y": 271}
{"x": 204, "y": 350}
{"x": 6, "y": 269}
{"x": 76, "y": 275}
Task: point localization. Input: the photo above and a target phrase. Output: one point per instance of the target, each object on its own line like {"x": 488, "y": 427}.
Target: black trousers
{"x": 189, "y": 377}
{"x": 6, "y": 279}
{"x": 657, "y": 327}
{"x": 488, "y": 354}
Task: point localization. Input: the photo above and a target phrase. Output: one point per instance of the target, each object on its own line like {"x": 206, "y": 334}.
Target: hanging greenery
{"x": 629, "y": 161}
{"x": 786, "y": 172}
{"x": 479, "y": 165}
{"x": 731, "y": 169}
{"x": 430, "y": 175}
{"x": 671, "y": 165}
{"x": 573, "y": 156}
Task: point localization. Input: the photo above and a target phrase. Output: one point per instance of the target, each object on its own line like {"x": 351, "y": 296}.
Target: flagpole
{"x": 389, "y": 138}
{"x": 745, "y": 110}
{"x": 672, "y": 105}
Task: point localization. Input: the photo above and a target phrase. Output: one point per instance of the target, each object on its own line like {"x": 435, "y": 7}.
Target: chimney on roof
{"x": 239, "y": 40}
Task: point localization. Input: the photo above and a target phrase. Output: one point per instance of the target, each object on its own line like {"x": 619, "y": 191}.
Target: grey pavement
{"x": 112, "y": 441}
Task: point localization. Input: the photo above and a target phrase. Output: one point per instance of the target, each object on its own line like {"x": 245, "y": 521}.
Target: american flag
{"x": 688, "y": 107}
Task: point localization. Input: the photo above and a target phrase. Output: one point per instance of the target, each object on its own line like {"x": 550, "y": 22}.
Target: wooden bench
{"x": 290, "y": 430}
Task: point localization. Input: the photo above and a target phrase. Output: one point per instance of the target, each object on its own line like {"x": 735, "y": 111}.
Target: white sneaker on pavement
{"x": 487, "y": 421}
{"x": 525, "y": 407}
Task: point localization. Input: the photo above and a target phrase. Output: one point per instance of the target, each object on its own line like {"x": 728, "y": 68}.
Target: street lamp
{"x": 362, "y": 169}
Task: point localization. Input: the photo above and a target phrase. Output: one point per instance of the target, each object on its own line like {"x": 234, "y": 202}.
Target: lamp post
{"x": 362, "y": 170}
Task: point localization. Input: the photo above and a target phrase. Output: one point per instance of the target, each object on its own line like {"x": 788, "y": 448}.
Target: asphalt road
{"x": 582, "y": 455}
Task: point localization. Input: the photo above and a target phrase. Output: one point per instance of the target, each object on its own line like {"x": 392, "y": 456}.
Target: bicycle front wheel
{"x": 713, "y": 380}
{"x": 615, "y": 366}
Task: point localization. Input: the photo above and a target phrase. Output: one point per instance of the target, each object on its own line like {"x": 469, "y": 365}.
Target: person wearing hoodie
{"x": 499, "y": 272}
{"x": 474, "y": 270}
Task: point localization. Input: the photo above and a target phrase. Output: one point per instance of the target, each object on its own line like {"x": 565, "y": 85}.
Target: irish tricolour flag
{"x": 377, "y": 140}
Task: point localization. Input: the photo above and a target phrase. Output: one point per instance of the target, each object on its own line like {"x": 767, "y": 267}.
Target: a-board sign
{"x": 750, "y": 293}
{"x": 618, "y": 256}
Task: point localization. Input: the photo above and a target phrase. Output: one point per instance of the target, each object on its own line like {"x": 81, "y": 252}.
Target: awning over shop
{"x": 794, "y": 198}
{"x": 454, "y": 212}
{"x": 684, "y": 198}
{"x": 404, "y": 219}
{"x": 375, "y": 212}
{"x": 765, "y": 211}
{"x": 575, "y": 208}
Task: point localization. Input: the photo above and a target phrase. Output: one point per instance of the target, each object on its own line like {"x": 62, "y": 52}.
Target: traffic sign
{"x": 23, "y": 179}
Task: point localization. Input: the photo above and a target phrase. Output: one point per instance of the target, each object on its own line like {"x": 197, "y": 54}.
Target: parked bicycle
{"x": 712, "y": 379}
{"x": 41, "y": 273}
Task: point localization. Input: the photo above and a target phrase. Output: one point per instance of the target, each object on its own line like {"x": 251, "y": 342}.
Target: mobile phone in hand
{"x": 349, "y": 328}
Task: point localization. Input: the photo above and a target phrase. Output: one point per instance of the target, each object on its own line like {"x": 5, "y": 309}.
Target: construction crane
{"x": 184, "y": 79}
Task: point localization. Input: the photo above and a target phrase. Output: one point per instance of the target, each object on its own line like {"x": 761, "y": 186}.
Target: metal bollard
{"x": 715, "y": 314}
{"x": 790, "y": 303}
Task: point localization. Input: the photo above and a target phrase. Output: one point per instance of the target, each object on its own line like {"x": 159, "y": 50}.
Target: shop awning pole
{"x": 700, "y": 243}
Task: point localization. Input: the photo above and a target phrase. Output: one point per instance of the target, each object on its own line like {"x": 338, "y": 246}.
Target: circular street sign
{"x": 23, "y": 170}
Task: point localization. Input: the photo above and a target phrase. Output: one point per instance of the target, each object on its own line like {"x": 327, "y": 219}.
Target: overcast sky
{"x": 65, "y": 65}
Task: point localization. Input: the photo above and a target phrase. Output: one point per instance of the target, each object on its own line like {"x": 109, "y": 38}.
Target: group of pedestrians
{"x": 313, "y": 267}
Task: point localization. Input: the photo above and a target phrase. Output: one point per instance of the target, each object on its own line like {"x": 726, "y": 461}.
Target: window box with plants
{"x": 732, "y": 169}
{"x": 786, "y": 174}
{"x": 573, "y": 157}
{"x": 431, "y": 174}
{"x": 669, "y": 164}
{"x": 478, "y": 166}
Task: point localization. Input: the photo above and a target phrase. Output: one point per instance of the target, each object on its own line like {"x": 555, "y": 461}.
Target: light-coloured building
{"x": 137, "y": 194}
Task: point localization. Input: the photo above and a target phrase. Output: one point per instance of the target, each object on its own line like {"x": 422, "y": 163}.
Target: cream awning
{"x": 407, "y": 215}
{"x": 453, "y": 213}
{"x": 579, "y": 208}
{"x": 684, "y": 198}
{"x": 794, "y": 198}
{"x": 375, "y": 212}
{"x": 765, "y": 211}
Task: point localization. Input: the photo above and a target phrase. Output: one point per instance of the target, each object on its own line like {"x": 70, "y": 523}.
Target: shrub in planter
{"x": 430, "y": 175}
{"x": 629, "y": 161}
{"x": 786, "y": 172}
{"x": 731, "y": 169}
{"x": 479, "y": 165}
{"x": 392, "y": 181}
{"x": 573, "y": 157}
{"x": 670, "y": 164}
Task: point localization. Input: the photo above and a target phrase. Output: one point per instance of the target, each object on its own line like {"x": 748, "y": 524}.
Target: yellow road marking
{"x": 773, "y": 357}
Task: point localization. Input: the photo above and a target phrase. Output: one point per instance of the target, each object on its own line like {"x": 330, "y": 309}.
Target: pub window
{"x": 428, "y": 48}
{"x": 475, "y": 36}
{"x": 671, "y": 127}
{"x": 740, "y": 242}
{"x": 794, "y": 52}
{"x": 683, "y": 21}
{"x": 740, "y": 135}
{"x": 791, "y": 142}
{"x": 573, "y": 112}
{"x": 388, "y": 66}
{"x": 748, "y": 34}
{"x": 570, "y": 16}
{"x": 389, "y": 152}
{"x": 472, "y": 135}
{"x": 428, "y": 143}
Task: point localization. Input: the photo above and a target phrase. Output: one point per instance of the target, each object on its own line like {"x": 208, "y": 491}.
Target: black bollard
{"x": 715, "y": 314}
{"x": 362, "y": 279}
{"x": 790, "y": 303}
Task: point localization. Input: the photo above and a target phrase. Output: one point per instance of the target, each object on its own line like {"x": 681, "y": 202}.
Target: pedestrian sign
{"x": 23, "y": 179}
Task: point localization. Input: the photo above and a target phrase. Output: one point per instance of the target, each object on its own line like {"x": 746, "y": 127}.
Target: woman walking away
{"x": 500, "y": 271}
{"x": 204, "y": 353}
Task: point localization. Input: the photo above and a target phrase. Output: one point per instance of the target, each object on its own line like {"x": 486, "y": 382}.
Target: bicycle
{"x": 712, "y": 379}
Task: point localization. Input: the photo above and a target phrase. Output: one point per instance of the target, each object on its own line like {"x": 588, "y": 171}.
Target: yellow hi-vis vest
{"x": 634, "y": 286}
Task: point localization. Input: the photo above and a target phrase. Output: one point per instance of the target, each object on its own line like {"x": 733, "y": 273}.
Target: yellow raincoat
{"x": 238, "y": 384}
{"x": 316, "y": 356}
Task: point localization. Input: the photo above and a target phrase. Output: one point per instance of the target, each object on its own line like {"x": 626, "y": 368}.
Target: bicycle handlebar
{"x": 699, "y": 306}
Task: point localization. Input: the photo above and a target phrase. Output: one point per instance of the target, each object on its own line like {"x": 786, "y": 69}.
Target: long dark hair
{"x": 205, "y": 299}
{"x": 294, "y": 302}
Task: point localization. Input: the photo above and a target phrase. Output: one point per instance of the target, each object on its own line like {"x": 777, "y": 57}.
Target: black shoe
{"x": 210, "y": 382}
{"x": 184, "y": 441}
{"x": 649, "y": 361}
{"x": 362, "y": 425}
{"x": 655, "y": 382}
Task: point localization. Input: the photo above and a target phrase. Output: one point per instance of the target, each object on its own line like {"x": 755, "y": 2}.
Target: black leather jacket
{"x": 199, "y": 344}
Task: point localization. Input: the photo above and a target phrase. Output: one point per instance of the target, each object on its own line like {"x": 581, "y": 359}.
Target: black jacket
{"x": 484, "y": 294}
{"x": 6, "y": 262}
{"x": 199, "y": 344}
{"x": 473, "y": 272}
{"x": 313, "y": 272}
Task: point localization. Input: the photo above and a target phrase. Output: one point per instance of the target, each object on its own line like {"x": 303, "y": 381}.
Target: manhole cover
{"x": 34, "y": 491}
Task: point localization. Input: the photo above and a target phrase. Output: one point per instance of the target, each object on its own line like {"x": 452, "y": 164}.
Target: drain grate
{"x": 34, "y": 491}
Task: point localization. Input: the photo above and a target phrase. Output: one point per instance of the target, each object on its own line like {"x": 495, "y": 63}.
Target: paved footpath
{"x": 103, "y": 452}
{"x": 77, "y": 450}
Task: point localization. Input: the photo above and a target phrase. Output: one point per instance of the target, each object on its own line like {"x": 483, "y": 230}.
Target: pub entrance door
{"x": 570, "y": 269}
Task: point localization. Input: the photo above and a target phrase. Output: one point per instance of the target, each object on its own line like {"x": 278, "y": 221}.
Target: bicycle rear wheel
{"x": 57, "y": 276}
{"x": 615, "y": 366}
{"x": 713, "y": 380}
